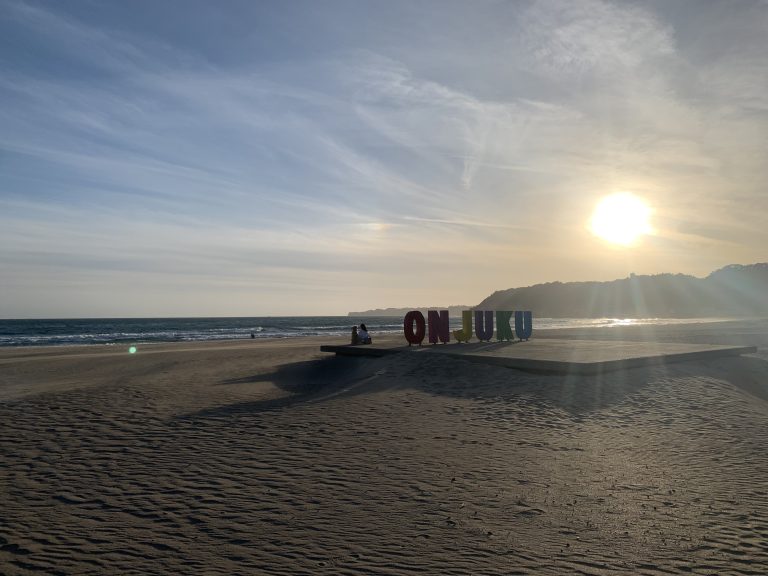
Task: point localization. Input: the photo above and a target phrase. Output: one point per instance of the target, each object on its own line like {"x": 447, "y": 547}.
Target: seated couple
{"x": 361, "y": 336}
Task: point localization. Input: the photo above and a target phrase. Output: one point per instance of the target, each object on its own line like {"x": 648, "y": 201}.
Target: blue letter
{"x": 484, "y": 325}
{"x": 523, "y": 324}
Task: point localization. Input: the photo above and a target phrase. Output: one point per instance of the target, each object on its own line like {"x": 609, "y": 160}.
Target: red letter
{"x": 410, "y": 318}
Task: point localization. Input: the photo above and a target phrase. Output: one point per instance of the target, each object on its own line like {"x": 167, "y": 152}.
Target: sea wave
{"x": 113, "y": 331}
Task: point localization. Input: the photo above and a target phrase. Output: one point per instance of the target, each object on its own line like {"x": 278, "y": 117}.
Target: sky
{"x": 256, "y": 158}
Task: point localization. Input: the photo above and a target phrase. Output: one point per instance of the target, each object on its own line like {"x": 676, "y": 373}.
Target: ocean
{"x": 111, "y": 331}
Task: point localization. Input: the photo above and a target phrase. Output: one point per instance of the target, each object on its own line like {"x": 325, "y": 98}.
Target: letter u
{"x": 523, "y": 324}
{"x": 484, "y": 324}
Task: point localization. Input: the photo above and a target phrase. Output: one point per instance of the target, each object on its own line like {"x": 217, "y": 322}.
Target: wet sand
{"x": 269, "y": 457}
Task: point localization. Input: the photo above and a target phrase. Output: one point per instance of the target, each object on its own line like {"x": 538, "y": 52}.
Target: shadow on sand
{"x": 301, "y": 381}
{"x": 339, "y": 377}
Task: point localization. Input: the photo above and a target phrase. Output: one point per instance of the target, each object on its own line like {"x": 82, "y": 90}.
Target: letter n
{"x": 408, "y": 321}
{"x": 523, "y": 324}
{"x": 439, "y": 325}
{"x": 484, "y": 324}
{"x": 503, "y": 328}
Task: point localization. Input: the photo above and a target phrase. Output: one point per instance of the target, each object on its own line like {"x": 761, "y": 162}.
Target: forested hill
{"x": 734, "y": 290}
{"x": 454, "y": 311}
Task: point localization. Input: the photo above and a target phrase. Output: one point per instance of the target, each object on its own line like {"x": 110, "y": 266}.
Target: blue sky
{"x": 277, "y": 158}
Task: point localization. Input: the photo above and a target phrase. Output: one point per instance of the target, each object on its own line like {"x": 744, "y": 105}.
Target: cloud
{"x": 327, "y": 159}
{"x": 594, "y": 37}
{"x": 76, "y": 45}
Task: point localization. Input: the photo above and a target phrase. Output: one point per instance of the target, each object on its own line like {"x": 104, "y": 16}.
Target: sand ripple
{"x": 238, "y": 461}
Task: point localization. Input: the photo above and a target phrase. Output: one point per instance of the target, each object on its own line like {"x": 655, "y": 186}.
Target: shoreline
{"x": 581, "y": 332}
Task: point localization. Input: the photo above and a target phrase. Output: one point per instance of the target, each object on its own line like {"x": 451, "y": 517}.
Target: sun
{"x": 621, "y": 218}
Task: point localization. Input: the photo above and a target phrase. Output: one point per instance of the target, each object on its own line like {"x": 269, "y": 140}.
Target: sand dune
{"x": 270, "y": 458}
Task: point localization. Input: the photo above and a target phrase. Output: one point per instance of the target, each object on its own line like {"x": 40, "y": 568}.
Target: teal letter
{"x": 503, "y": 328}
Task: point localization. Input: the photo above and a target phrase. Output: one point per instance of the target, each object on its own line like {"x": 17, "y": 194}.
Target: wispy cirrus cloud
{"x": 594, "y": 37}
{"x": 328, "y": 157}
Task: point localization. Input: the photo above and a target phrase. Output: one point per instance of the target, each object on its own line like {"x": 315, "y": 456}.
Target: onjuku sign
{"x": 438, "y": 322}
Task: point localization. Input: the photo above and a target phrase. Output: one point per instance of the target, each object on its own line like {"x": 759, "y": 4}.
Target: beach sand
{"x": 269, "y": 457}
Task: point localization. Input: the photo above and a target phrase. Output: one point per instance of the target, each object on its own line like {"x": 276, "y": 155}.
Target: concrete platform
{"x": 371, "y": 350}
{"x": 560, "y": 356}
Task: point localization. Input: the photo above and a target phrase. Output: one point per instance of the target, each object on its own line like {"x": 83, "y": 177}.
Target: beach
{"x": 270, "y": 457}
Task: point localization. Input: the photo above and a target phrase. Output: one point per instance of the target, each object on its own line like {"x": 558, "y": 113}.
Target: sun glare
{"x": 621, "y": 218}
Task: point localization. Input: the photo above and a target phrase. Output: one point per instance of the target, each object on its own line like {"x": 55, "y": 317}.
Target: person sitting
{"x": 365, "y": 338}
{"x": 355, "y": 336}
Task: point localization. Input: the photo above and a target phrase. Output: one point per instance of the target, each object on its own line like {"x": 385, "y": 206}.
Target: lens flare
{"x": 132, "y": 350}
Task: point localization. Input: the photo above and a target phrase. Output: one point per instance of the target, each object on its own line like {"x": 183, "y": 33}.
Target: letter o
{"x": 421, "y": 327}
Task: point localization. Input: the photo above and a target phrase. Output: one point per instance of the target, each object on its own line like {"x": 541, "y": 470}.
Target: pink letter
{"x": 438, "y": 326}
{"x": 410, "y": 318}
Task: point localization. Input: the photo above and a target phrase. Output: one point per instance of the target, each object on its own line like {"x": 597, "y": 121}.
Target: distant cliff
{"x": 734, "y": 290}
{"x": 452, "y": 310}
